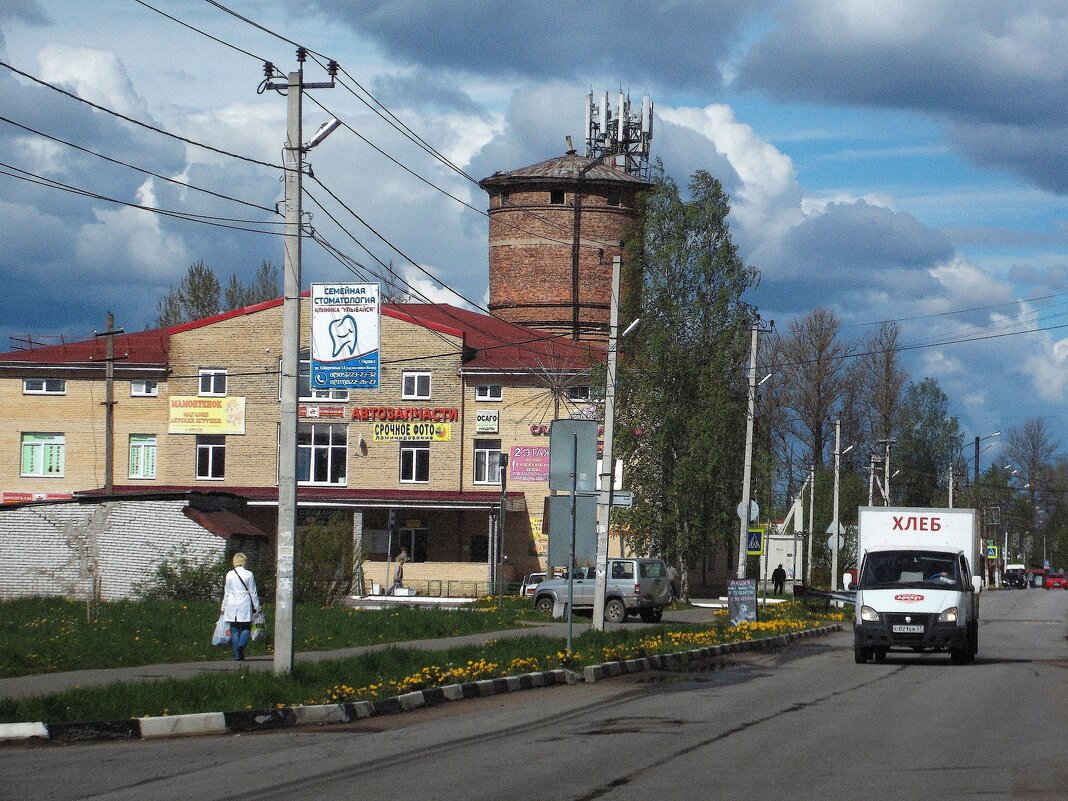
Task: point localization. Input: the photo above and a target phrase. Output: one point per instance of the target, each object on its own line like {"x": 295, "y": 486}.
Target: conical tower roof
{"x": 566, "y": 168}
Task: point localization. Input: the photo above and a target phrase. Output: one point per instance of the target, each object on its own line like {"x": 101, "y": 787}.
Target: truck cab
{"x": 923, "y": 600}
{"x": 917, "y": 588}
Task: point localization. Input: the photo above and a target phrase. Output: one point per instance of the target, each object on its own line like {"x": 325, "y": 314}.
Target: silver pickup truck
{"x": 634, "y": 587}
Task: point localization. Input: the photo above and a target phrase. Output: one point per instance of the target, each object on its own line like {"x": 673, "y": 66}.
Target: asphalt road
{"x": 802, "y": 723}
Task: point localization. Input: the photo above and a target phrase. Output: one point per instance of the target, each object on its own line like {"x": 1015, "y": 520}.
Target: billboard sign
{"x": 528, "y": 463}
{"x": 416, "y": 432}
{"x": 345, "y": 324}
{"x": 192, "y": 414}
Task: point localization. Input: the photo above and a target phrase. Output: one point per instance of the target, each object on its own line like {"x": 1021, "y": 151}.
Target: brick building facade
{"x": 554, "y": 230}
{"x": 487, "y": 386}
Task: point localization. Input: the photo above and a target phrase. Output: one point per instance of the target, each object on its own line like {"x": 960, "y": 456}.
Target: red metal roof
{"x": 225, "y": 524}
{"x": 490, "y": 344}
{"x": 500, "y": 346}
{"x": 140, "y": 349}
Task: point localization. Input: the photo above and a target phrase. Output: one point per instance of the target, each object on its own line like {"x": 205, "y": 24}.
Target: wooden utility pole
{"x": 109, "y": 402}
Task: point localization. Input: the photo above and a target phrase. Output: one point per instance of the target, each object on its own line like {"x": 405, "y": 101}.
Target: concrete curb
{"x": 681, "y": 660}
{"x": 286, "y": 717}
{"x": 326, "y": 714}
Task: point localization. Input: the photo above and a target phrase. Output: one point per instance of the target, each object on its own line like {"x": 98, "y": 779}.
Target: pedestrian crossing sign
{"x": 754, "y": 544}
{"x": 991, "y": 552}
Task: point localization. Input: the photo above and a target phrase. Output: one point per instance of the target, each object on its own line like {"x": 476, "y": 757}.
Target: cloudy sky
{"x": 904, "y": 160}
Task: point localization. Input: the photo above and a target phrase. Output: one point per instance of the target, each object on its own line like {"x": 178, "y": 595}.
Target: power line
{"x": 380, "y": 109}
{"x": 135, "y": 167}
{"x": 220, "y": 222}
{"x": 198, "y": 30}
{"x": 134, "y": 121}
{"x": 956, "y": 311}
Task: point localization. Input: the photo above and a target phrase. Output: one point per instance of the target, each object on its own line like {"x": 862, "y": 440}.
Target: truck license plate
{"x": 908, "y": 629}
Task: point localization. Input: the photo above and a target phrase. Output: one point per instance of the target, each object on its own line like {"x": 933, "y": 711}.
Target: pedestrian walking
{"x": 240, "y": 602}
{"x": 398, "y": 570}
{"x": 778, "y": 580}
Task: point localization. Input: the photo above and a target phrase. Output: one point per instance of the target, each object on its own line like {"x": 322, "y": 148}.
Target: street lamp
{"x": 836, "y": 524}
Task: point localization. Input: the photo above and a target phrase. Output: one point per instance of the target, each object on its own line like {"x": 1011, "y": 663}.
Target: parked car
{"x": 634, "y": 587}
{"x": 530, "y": 583}
{"x": 1015, "y": 576}
{"x": 1056, "y": 581}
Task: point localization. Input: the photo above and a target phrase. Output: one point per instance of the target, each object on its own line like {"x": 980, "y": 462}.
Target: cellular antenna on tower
{"x": 620, "y": 136}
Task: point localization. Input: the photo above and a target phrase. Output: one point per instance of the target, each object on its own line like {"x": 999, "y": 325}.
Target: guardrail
{"x": 805, "y": 594}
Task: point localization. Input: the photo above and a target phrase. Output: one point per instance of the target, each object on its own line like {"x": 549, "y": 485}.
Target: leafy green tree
{"x": 265, "y": 285}
{"x": 198, "y": 294}
{"x": 195, "y": 297}
{"x": 928, "y": 441}
{"x": 324, "y": 572}
{"x": 681, "y": 384}
{"x": 235, "y": 294}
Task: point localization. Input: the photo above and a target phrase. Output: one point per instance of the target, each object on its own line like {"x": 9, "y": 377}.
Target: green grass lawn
{"x": 389, "y": 672}
{"x": 47, "y": 635}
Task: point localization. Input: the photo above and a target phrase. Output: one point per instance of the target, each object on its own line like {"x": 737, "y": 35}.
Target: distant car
{"x": 633, "y": 587}
{"x": 1056, "y": 580}
{"x": 530, "y": 583}
{"x": 1015, "y": 576}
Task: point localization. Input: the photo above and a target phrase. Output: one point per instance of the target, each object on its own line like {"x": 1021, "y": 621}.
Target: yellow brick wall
{"x": 248, "y": 347}
{"x": 79, "y": 416}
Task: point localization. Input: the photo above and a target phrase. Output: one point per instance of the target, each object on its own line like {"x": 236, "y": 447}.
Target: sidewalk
{"x": 48, "y": 683}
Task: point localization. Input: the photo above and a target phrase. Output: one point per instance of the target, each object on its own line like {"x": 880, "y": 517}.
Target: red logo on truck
{"x": 908, "y": 597}
{"x": 917, "y": 523}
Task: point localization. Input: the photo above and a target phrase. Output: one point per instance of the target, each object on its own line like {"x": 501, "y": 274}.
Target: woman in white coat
{"x": 240, "y": 602}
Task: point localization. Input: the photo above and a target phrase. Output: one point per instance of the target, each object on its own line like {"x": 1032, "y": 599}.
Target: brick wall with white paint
{"x": 48, "y": 549}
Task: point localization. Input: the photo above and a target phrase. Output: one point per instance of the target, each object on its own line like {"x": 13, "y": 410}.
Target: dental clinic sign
{"x": 345, "y": 339}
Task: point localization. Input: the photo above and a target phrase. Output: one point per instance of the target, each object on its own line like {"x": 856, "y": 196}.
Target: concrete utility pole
{"x": 604, "y": 502}
{"x": 747, "y": 472}
{"x": 834, "y": 515}
{"x": 811, "y": 520}
{"x": 287, "y": 439}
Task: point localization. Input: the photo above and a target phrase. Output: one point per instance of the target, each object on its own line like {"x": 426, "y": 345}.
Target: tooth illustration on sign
{"x": 343, "y": 335}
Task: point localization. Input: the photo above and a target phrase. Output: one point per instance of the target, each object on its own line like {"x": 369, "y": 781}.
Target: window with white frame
{"x": 145, "y": 388}
{"x": 489, "y": 392}
{"x": 212, "y": 382}
{"x": 487, "y": 461}
{"x": 142, "y": 455}
{"x": 415, "y": 385}
{"x": 322, "y": 453}
{"x": 211, "y": 456}
{"x": 43, "y": 455}
{"x": 415, "y": 462}
{"x": 44, "y": 386}
{"x": 578, "y": 394}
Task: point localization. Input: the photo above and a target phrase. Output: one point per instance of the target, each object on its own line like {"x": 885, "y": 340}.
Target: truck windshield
{"x": 887, "y": 570}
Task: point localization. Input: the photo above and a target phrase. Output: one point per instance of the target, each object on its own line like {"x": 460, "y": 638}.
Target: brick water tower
{"x": 555, "y": 226}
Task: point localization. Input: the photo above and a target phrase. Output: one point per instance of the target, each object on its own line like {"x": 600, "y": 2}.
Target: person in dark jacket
{"x": 778, "y": 580}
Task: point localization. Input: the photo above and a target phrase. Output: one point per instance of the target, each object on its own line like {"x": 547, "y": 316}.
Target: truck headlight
{"x": 868, "y": 614}
{"x": 948, "y": 616}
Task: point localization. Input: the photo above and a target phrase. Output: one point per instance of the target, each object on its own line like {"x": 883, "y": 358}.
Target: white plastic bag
{"x": 259, "y": 626}
{"x": 222, "y": 632}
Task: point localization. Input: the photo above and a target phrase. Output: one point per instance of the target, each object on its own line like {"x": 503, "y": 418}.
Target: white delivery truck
{"x": 919, "y": 582}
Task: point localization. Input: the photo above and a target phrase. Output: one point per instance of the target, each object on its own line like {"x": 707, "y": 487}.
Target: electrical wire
{"x": 381, "y": 110}
{"x": 135, "y": 167}
{"x": 223, "y": 42}
{"x": 219, "y": 222}
{"x": 134, "y": 121}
